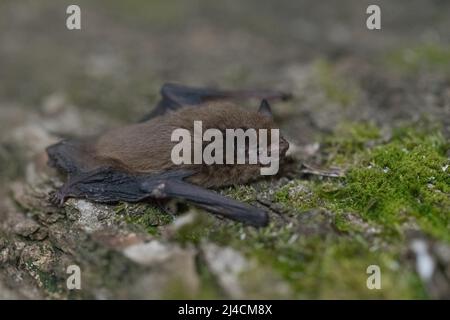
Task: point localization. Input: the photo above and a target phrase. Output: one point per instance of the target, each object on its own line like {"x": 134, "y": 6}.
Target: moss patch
{"x": 390, "y": 183}
{"x": 322, "y": 265}
{"x": 47, "y": 280}
{"x": 325, "y": 240}
{"x": 318, "y": 249}
{"x": 405, "y": 178}
{"x": 144, "y": 216}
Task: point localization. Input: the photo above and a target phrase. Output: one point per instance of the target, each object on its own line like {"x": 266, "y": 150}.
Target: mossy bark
{"x": 366, "y": 182}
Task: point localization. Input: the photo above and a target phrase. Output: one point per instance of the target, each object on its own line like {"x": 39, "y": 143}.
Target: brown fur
{"x": 146, "y": 147}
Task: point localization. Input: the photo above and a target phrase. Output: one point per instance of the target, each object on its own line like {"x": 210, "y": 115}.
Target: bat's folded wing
{"x": 108, "y": 185}
{"x": 176, "y": 96}
{"x": 209, "y": 200}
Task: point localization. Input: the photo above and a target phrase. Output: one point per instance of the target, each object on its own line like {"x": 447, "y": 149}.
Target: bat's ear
{"x": 265, "y": 109}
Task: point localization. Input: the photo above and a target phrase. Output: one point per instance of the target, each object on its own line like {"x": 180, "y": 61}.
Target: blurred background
{"x": 116, "y": 64}
{"x": 58, "y": 83}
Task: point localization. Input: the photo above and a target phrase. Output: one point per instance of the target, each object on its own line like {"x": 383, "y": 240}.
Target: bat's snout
{"x": 284, "y": 146}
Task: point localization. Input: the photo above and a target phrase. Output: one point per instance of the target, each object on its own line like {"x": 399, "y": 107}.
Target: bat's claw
{"x": 57, "y": 198}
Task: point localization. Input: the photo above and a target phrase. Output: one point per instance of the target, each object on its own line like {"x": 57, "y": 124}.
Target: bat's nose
{"x": 284, "y": 146}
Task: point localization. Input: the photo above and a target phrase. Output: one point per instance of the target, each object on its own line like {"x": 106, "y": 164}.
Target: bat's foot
{"x": 167, "y": 206}
{"x": 57, "y": 198}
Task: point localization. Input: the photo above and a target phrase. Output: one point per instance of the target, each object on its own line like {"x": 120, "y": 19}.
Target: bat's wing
{"x": 209, "y": 200}
{"x": 175, "y": 96}
{"x": 76, "y": 157}
{"x": 69, "y": 156}
{"x": 108, "y": 185}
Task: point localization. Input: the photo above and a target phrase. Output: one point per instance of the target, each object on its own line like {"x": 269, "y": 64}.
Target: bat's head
{"x": 245, "y": 135}
{"x": 266, "y": 117}
{"x": 198, "y": 137}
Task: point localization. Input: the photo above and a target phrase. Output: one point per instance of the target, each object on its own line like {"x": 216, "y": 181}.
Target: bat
{"x": 133, "y": 163}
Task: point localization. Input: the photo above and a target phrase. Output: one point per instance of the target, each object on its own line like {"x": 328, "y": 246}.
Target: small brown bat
{"x": 133, "y": 163}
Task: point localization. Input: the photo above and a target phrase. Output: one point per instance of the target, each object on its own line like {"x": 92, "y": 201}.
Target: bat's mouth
{"x": 284, "y": 146}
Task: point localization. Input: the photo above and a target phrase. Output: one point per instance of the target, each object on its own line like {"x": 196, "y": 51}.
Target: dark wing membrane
{"x": 109, "y": 185}
{"x": 175, "y": 96}
{"x": 68, "y": 156}
{"x": 208, "y": 200}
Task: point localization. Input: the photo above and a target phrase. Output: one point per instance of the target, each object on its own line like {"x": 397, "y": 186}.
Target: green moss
{"x": 298, "y": 194}
{"x": 321, "y": 266}
{"x": 50, "y": 282}
{"x": 335, "y": 268}
{"x": 432, "y": 57}
{"x": 348, "y": 140}
{"x": 336, "y": 88}
{"x": 241, "y": 193}
{"x": 398, "y": 181}
{"x": 196, "y": 231}
{"x": 147, "y": 217}
{"x": 388, "y": 183}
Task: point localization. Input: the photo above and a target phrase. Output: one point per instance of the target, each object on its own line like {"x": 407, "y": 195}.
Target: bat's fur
{"x": 146, "y": 147}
